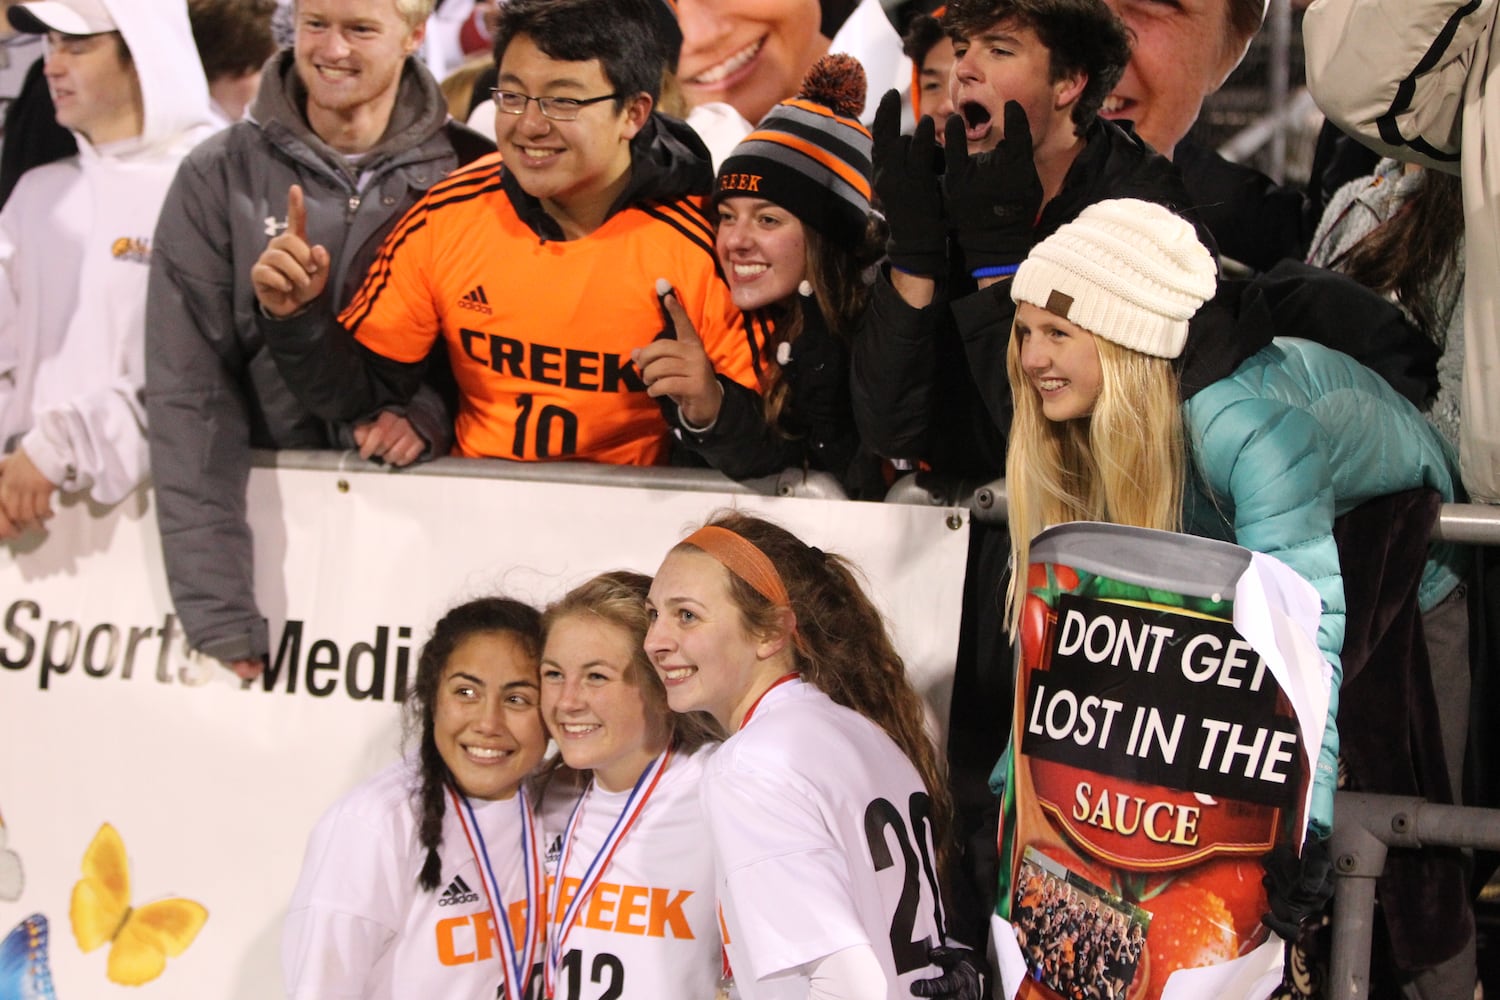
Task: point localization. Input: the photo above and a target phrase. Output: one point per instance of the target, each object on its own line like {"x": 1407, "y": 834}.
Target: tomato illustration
{"x": 1238, "y": 884}
{"x": 1190, "y": 927}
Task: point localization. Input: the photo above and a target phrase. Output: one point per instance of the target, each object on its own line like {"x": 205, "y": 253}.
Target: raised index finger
{"x": 1017, "y": 128}
{"x": 296, "y": 213}
{"x": 686, "y": 332}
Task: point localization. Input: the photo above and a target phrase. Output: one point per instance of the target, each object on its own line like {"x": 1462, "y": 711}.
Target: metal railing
{"x": 1465, "y": 523}
{"x": 788, "y": 483}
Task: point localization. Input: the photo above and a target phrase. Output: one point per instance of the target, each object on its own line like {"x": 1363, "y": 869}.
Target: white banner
{"x": 212, "y": 787}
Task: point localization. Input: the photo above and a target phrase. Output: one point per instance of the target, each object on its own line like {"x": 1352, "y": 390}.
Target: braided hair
{"x": 485, "y": 615}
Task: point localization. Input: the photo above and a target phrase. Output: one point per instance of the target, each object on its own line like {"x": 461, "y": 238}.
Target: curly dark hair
{"x": 478, "y": 617}
{"x": 1083, "y": 37}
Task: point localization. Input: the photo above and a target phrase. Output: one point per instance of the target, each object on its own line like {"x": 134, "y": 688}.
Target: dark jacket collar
{"x": 1117, "y": 163}
{"x": 1230, "y": 327}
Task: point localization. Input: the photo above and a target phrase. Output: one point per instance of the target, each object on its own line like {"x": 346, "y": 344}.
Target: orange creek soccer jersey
{"x": 540, "y": 331}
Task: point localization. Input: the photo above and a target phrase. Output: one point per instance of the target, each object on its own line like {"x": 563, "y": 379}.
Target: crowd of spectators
{"x": 1075, "y": 941}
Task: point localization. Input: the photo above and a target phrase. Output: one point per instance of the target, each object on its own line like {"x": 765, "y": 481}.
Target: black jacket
{"x": 1255, "y": 220}
{"x": 930, "y": 384}
{"x": 816, "y": 429}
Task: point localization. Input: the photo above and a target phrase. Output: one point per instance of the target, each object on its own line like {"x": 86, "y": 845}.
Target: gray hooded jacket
{"x": 212, "y": 391}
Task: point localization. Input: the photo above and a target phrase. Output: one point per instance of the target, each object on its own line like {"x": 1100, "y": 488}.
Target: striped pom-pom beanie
{"x": 810, "y": 155}
{"x": 1126, "y": 270}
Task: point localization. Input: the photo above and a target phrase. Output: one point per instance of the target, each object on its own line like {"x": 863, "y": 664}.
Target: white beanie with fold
{"x": 1126, "y": 270}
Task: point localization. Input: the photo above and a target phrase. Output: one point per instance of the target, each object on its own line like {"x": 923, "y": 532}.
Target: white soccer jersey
{"x": 360, "y": 928}
{"x": 649, "y": 930}
{"x": 823, "y": 841}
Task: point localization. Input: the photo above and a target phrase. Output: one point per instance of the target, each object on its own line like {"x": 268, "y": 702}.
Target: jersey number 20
{"x": 914, "y": 828}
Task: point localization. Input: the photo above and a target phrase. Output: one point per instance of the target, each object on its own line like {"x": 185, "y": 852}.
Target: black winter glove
{"x": 816, "y": 369}
{"x": 963, "y": 978}
{"x": 1297, "y": 887}
{"x": 993, "y": 198}
{"x": 909, "y": 191}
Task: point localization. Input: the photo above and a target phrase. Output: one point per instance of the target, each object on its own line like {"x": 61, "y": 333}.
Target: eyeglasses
{"x": 559, "y": 109}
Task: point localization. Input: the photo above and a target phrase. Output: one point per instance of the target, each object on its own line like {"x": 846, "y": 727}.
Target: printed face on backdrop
{"x": 750, "y": 54}
{"x": 350, "y": 53}
{"x": 1061, "y": 361}
{"x": 594, "y": 708}
{"x": 1179, "y": 54}
{"x": 698, "y": 642}
{"x": 93, "y": 87}
{"x": 486, "y": 720}
{"x": 558, "y": 161}
{"x": 1007, "y": 62}
{"x": 762, "y": 249}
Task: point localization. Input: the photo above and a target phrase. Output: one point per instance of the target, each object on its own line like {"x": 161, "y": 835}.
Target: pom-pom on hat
{"x": 1126, "y": 270}
{"x": 810, "y": 155}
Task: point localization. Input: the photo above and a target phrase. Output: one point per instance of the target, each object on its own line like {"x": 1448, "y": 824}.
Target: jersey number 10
{"x": 550, "y": 421}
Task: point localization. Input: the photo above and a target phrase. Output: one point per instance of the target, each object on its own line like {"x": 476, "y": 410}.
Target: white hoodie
{"x": 75, "y": 240}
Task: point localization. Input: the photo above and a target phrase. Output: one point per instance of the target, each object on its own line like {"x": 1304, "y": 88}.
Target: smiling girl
{"x": 632, "y": 903}
{"x": 826, "y": 806}
{"x": 794, "y": 235}
{"x": 426, "y": 880}
{"x": 1122, "y": 415}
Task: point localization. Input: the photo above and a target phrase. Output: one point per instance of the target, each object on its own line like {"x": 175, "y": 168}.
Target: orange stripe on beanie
{"x": 810, "y": 155}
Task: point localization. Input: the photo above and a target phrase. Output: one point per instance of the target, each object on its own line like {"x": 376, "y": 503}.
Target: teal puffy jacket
{"x": 1298, "y": 435}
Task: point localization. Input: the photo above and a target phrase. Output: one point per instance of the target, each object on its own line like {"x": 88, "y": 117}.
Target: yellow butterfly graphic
{"x": 143, "y": 936}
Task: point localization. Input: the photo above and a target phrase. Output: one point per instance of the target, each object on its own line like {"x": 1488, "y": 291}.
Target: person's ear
{"x": 1068, "y": 89}
{"x": 778, "y": 638}
{"x": 414, "y": 38}
{"x": 637, "y": 110}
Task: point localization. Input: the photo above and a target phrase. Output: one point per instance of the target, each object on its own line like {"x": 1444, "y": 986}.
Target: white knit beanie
{"x": 1126, "y": 270}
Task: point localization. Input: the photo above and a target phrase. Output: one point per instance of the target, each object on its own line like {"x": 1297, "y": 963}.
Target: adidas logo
{"x": 476, "y": 300}
{"x": 457, "y": 893}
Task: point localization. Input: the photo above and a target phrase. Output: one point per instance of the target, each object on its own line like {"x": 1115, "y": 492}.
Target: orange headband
{"x": 742, "y": 558}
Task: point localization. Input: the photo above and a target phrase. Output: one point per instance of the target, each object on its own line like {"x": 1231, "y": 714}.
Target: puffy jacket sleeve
{"x": 1394, "y": 72}
{"x": 199, "y": 421}
{"x": 1270, "y": 461}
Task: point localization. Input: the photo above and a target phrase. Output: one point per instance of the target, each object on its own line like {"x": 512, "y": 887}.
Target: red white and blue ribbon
{"x": 517, "y": 958}
{"x": 634, "y": 806}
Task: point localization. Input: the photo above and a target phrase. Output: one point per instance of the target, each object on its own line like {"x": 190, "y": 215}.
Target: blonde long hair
{"x": 1126, "y": 463}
